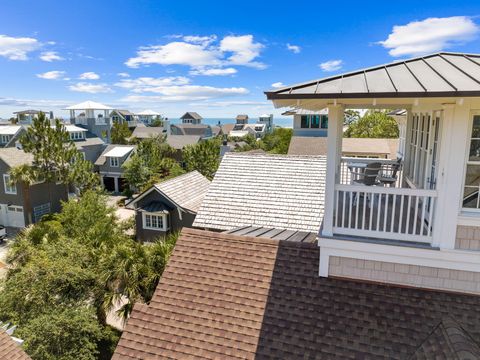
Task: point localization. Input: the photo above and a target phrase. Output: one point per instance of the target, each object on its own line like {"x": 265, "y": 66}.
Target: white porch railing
{"x": 384, "y": 212}
{"x": 132, "y": 123}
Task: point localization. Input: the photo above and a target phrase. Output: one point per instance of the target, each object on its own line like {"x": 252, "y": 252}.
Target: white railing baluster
{"x": 415, "y": 219}
{"x": 422, "y": 219}
{"x": 392, "y": 222}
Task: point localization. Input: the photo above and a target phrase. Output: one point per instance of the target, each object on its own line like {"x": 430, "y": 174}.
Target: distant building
{"x": 266, "y": 119}
{"x": 93, "y": 116}
{"x": 147, "y": 116}
{"x": 242, "y": 119}
{"x": 25, "y": 117}
{"x": 191, "y": 118}
{"x": 9, "y": 134}
{"x": 169, "y": 206}
{"x": 109, "y": 165}
{"x": 22, "y": 204}
{"x": 309, "y": 123}
{"x": 124, "y": 116}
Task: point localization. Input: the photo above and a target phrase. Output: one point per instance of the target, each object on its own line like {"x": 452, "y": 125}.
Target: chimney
{"x": 166, "y": 126}
{"x": 224, "y": 148}
{"x": 52, "y": 119}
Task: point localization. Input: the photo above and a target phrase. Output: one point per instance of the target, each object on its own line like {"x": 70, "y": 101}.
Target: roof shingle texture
{"x": 15, "y": 157}
{"x": 278, "y": 191}
{"x": 187, "y": 190}
{"x": 9, "y": 349}
{"x": 236, "y": 297}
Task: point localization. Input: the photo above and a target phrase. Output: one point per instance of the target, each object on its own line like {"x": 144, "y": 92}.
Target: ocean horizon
{"x": 280, "y": 121}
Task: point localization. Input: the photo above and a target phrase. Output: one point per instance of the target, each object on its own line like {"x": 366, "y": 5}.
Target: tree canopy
{"x": 68, "y": 271}
{"x": 153, "y": 161}
{"x": 203, "y": 157}
{"x": 120, "y": 133}
{"x": 55, "y": 157}
{"x": 374, "y": 124}
{"x": 277, "y": 142}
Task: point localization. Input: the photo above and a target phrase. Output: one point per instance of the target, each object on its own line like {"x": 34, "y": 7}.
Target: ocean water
{"x": 281, "y": 121}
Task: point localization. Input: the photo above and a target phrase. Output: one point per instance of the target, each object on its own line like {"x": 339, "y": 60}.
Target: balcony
{"x": 391, "y": 212}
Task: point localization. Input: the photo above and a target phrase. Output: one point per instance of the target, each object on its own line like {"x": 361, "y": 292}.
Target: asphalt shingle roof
{"x": 236, "y": 297}
{"x": 187, "y": 190}
{"x": 13, "y": 156}
{"x": 9, "y": 350}
{"x": 279, "y": 191}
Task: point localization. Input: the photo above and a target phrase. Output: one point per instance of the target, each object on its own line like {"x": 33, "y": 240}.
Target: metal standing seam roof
{"x": 187, "y": 190}
{"x": 103, "y": 156}
{"x": 119, "y": 151}
{"x": 277, "y": 191}
{"x": 436, "y": 75}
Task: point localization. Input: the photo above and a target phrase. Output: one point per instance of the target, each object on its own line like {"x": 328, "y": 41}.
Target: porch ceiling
{"x": 441, "y": 75}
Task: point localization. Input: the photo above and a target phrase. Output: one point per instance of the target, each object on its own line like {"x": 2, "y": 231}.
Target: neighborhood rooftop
{"x": 118, "y": 151}
{"x": 245, "y": 298}
{"x": 437, "y": 75}
{"x": 187, "y": 191}
{"x": 9, "y": 349}
{"x": 13, "y": 156}
{"x": 279, "y": 191}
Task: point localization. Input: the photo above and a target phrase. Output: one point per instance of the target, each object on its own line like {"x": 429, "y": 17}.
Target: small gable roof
{"x": 191, "y": 115}
{"x": 114, "y": 151}
{"x": 13, "y": 157}
{"x": 186, "y": 191}
{"x": 278, "y": 191}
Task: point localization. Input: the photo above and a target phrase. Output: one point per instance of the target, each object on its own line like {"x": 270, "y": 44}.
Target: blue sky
{"x": 213, "y": 57}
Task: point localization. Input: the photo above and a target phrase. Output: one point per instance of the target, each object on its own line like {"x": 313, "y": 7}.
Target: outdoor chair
{"x": 390, "y": 178}
{"x": 368, "y": 177}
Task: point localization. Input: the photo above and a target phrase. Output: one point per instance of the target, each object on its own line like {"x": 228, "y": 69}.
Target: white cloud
{"x": 213, "y": 71}
{"x": 90, "y": 75}
{"x": 294, "y": 48}
{"x": 34, "y": 103}
{"x": 229, "y": 103}
{"x": 51, "y": 75}
{"x": 331, "y": 65}
{"x": 149, "y": 84}
{"x": 186, "y": 93}
{"x": 430, "y": 35}
{"x": 90, "y": 88}
{"x": 278, "y": 85}
{"x": 201, "y": 52}
{"x": 50, "y": 56}
{"x": 244, "y": 50}
{"x": 123, "y": 74}
{"x": 17, "y": 48}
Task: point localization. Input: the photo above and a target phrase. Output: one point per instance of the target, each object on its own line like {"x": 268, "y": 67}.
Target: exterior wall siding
{"x": 409, "y": 275}
{"x": 176, "y": 223}
{"x": 468, "y": 238}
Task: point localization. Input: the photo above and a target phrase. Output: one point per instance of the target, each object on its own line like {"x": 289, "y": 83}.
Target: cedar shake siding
{"x": 468, "y": 238}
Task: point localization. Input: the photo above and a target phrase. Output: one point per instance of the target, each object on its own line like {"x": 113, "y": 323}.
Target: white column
{"x": 334, "y": 153}
{"x": 115, "y": 182}
{"x": 453, "y": 147}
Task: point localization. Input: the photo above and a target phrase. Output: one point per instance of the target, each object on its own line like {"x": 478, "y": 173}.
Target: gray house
{"x": 169, "y": 205}
{"x": 109, "y": 165}
{"x": 21, "y": 204}
{"x": 9, "y": 134}
{"x": 191, "y": 117}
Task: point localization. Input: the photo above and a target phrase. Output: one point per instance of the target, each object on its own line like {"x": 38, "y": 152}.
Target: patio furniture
{"x": 390, "y": 178}
{"x": 368, "y": 177}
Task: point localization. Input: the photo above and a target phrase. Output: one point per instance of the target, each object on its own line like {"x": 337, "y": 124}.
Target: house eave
{"x": 376, "y": 95}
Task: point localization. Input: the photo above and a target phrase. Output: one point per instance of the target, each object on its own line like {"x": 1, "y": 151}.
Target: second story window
{"x": 471, "y": 198}
{"x": 5, "y": 139}
{"x": 77, "y": 135}
{"x": 8, "y": 187}
{"x": 114, "y": 162}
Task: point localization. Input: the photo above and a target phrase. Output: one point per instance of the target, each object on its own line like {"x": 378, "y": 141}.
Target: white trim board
{"x": 447, "y": 259}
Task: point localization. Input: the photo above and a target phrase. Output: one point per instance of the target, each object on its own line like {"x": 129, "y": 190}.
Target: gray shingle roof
{"x": 191, "y": 115}
{"x": 144, "y": 132}
{"x": 441, "y": 75}
{"x": 15, "y": 157}
{"x": 278, "y": 191}
{"x": 190, "y": 129}
{"x": 180, "y": 141}
{"x": 187, "y": 190}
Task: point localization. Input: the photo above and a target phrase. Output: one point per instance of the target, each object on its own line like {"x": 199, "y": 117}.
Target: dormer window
{"x": 159, "y": 222}
{"x": 114, "y": 162}
{"x": 76, "y": 135}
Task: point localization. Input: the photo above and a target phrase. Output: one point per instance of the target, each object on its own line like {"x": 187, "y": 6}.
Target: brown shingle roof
{"x": 226, "y": 296}
{"x": 9, "y": 350}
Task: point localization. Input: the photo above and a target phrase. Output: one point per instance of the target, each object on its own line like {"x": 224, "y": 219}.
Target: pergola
{"x": 89, "y": 107}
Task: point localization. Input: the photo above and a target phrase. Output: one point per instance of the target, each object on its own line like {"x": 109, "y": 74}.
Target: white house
{"x": 94, "y": 116}
{"x": 309, "y": 122}
{"x": 423, "y": 230}
{"x": 147, "y": 116}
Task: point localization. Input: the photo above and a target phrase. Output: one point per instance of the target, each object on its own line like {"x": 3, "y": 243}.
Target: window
{"x": 471, "y": 198}
{"x": 324, "y": 121}
{"x": 77, "y": 135}
{"x": 305, "y": 122}
{"x": 40, "y": 210}
{"x": 314, "y": 121}
{"x": 5, "y": 138}
{"x": 9, "y": 188}
{"x": 419, "y": 149}
{"x": 160, "y": 222}
{"x": 114, "y": 162}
